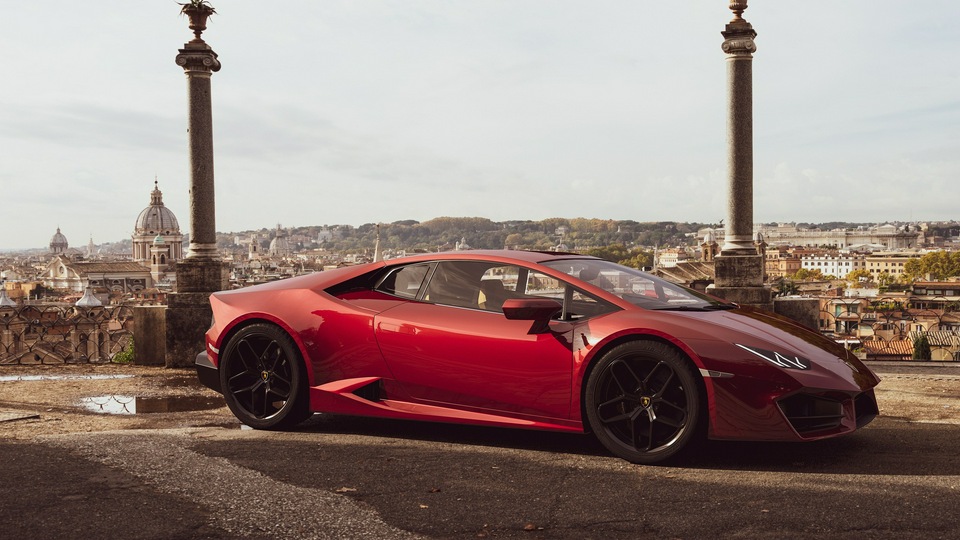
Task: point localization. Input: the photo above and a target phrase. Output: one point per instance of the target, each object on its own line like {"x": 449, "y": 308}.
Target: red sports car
{"x": 536, "y": 340}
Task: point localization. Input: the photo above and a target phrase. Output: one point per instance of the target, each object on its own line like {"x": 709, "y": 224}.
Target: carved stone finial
{"x": 738, "y": 7}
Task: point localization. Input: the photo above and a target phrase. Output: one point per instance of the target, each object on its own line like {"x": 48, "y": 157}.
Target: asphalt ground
{"x": 198, "y": 475}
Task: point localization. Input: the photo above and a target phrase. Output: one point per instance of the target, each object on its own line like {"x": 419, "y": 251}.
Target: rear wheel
{"x": 643, "y": 401}
{"x": 263, "y": 378}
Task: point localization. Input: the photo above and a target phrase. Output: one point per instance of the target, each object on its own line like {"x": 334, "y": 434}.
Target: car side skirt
{"x": 353, "y": 397}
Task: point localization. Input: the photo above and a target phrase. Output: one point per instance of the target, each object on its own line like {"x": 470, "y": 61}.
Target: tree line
{"x": 443, "y": 233}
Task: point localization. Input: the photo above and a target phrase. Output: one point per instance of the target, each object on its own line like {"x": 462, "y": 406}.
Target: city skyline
{"x": 381, "y": 111}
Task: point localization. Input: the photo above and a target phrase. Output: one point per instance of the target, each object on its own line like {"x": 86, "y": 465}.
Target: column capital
{"x": 198, "y": 61}
{"x": 738, "y": 39}
{"x": 739, "y": 44}
{"x": 738, "y": 34}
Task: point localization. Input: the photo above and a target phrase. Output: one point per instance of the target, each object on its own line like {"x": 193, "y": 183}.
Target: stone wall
{"x": 150, "y": 335}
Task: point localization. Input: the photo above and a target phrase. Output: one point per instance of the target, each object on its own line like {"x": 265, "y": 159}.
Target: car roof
{"x": 322, "y": 280}
{"x": 491, "y": 254}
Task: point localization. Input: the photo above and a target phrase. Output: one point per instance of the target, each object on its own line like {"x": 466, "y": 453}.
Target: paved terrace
{"x": 158, "y": 472}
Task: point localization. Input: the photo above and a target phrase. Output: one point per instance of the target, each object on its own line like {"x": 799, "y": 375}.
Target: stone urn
{"x": 198, "y": 12}
{"x": 737, "y": 7}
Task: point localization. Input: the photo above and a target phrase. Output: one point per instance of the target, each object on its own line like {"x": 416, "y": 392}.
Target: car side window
{"x": 576, "y": 303}
{"x": 456, "y": 283}
{"x": 405, "y": 281}
{"x": 486, "y": 286}
{"x": 497, "y": 284}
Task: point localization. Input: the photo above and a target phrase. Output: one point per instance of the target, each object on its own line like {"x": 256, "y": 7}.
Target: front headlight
{"x": 780, "y": 360}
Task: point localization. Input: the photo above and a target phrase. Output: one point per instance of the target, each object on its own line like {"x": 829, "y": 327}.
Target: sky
{"x": 363, "y": 111}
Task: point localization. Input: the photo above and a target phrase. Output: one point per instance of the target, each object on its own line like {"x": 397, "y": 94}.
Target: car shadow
{"x": 546, "y": 441}
{"x": 888, "y": 446}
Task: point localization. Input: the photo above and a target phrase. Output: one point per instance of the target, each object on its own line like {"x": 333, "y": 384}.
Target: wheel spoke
{"x": 263, "y": 401}
{"x": 650, "y": 427}
{"x": 279, "y": 393}
{"x": 624, "y": 377}
{"x": 250, "y": 388}
{"x": 272, "y": 355}
{"x": 681, "y": 410}
{"x": 621, "y": 410}
{"x": 677, "y": 424}
{"x": 650, "y": 381}
{"x": 282, "y": 378}
{"x": 248, "y": 356}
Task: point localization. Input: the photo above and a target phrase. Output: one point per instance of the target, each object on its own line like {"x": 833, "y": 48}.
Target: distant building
{"x": 279, "y": 246}
{"x": 670, "y": 257}
{"x": 117, "y": 277}
{"x": 888, "y": 262}
{"x": 886, "y": 236}
{"x": 782, "y": 262}
{"x": 58, "y": 243}
{"x": 833, "y": 264}
{"x": 708, "y": 248}
{"x": 157, "y": 241}
{"x": 942, "y": 295}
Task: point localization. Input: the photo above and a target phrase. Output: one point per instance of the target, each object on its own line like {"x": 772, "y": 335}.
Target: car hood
{"x": 763, "y": 330}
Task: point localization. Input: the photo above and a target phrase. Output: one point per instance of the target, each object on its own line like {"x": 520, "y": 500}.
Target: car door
{"x": 445, "y": 350}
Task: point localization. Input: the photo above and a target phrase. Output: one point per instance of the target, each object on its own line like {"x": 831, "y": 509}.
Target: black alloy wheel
{"x": 643, "y": 401}
{"x": 263, "y": 378}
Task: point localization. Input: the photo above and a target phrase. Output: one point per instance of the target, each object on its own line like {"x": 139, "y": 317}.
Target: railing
{"x": 35, "y": 334}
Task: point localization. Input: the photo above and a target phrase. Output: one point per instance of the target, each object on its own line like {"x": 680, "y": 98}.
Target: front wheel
{"x": 643, "y": 402}
{"x": 263, "y": 379}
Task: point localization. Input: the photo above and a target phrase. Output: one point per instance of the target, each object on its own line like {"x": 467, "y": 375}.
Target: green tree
{"x": 618, "y": 253}
{"x": 786, "y": 287}
{"x": 514, "y": 239}
{"x": 125, "y": 356}
{"x": 937, "y": 266}
{"x": 921, "y": 348}
{"x": 886, "y": 278}
{"x": 612, "y": 252}
{"x": 912, "y": 270}
{"x": 805, "y": 274}
{"x": 858, "y": 277}
{"x": 638, "y": 259}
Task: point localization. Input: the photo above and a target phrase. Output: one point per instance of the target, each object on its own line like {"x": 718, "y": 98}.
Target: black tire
{"x": 263, "y": 378}
{"x": 643, "y": 401}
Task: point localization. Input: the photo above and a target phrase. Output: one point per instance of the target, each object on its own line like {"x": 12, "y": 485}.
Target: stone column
{"x": 739, "y": 268}
{"x": 199, "y": 62}
{"x": 739, "y": 46}
{"x": 202, "y": 272}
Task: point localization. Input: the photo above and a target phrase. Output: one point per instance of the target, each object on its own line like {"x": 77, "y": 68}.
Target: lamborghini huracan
{"x": 535, "y": 340}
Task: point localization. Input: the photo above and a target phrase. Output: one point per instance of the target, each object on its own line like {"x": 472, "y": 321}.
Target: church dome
{"x": 279, "y": 246}
{"x": 58, "y": 243}
{"x": 157, "y": 218}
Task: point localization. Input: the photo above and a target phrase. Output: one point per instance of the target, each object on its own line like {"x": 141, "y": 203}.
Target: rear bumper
{"x": 208, "y": 373}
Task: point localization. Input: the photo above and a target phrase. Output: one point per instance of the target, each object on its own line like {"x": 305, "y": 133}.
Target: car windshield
{"x": 636, "y": 287}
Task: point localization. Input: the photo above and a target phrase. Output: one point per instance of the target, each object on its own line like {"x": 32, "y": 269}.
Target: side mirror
{"x": 538, "y": 310}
